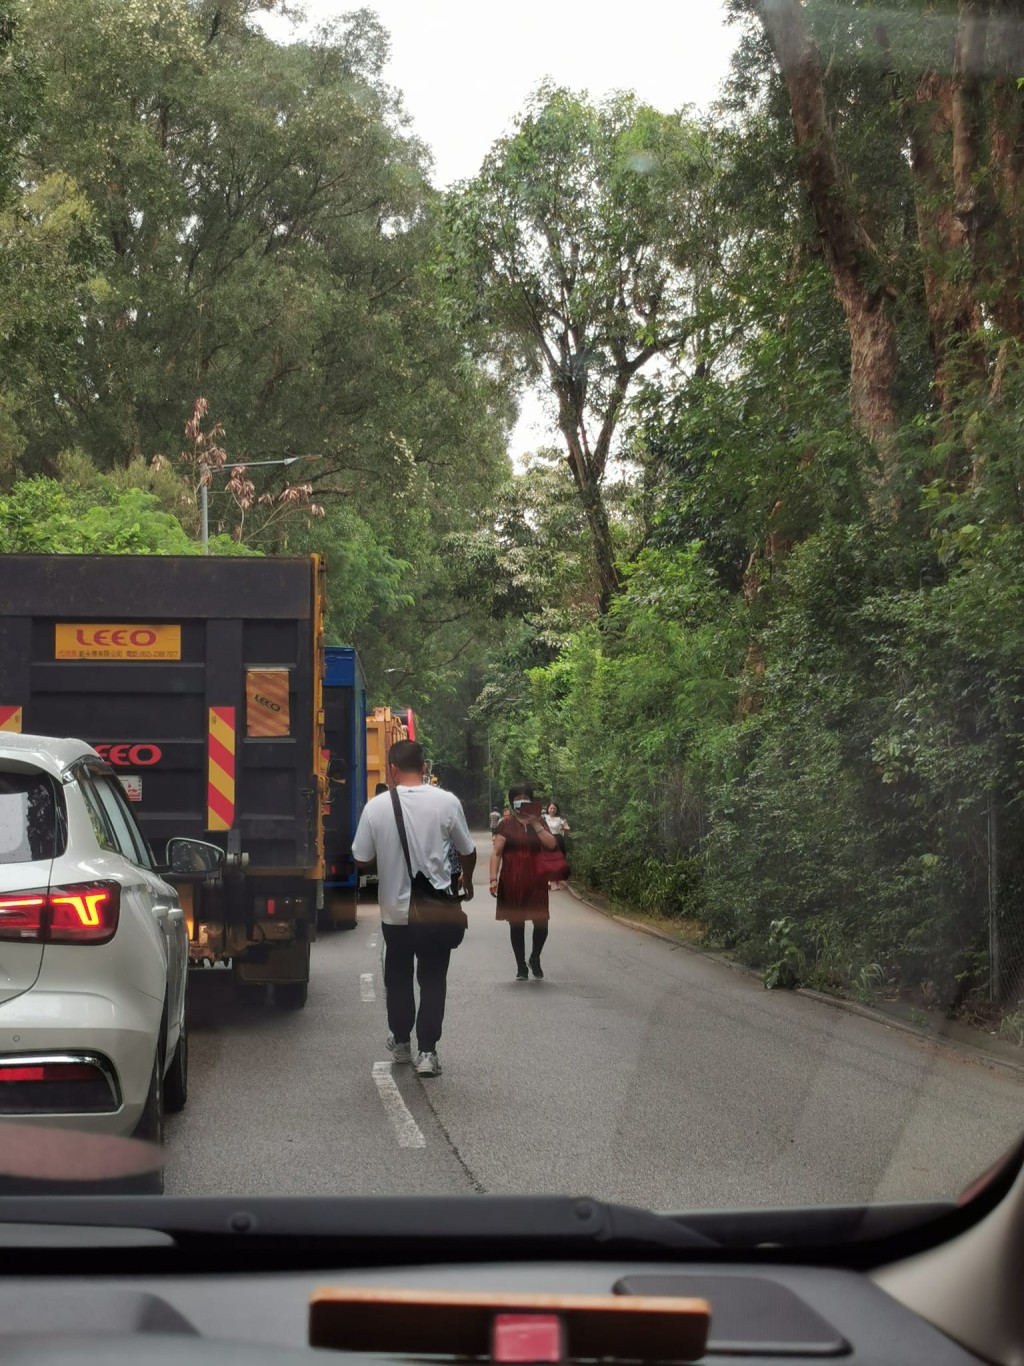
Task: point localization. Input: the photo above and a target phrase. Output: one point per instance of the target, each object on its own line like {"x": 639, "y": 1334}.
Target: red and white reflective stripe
{"x": 220, "y": 787}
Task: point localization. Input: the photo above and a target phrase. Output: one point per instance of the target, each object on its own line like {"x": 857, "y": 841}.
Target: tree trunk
{"x": 1001, "y": 247}
{"x": 853, "y": 260}
{"x": 596, "y": 513}
{"x": 604, "y": 551}
{"x": 946, "y": 207}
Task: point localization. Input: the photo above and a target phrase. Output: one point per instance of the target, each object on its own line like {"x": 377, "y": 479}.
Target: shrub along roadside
{"x": 826, "y": 814}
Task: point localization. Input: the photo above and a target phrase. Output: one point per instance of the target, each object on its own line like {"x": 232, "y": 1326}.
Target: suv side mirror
{"x": 186, "y": 856}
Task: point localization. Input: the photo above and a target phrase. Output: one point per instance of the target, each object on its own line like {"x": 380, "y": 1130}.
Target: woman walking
{"x": 521, "y": 892}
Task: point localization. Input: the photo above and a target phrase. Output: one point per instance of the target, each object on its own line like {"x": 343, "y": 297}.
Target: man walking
{"x": 432, "y": 818}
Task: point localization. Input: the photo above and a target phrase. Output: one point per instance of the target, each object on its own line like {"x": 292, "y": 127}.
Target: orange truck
{"x": 384, "y": 728}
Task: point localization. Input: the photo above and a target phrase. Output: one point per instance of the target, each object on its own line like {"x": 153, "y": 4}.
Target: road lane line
{"x": 407, "y": 1131}
{"x": 366, "y": 990}
{"x": 373, "y": 941}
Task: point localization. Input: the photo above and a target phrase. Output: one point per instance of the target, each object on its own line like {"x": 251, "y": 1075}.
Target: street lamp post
{"x": 204, "y": 507}
{"x": 204, "y": 501}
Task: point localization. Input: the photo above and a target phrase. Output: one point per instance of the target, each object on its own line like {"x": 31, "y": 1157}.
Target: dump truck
{"x": 345, "y": 735}
{"x": 199, "y": 679}
{"x": 384, "y": 728}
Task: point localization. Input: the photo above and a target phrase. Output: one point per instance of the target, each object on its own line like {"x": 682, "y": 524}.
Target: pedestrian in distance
{"x": 558, "y": 826}
{"x": 407, "y": 831}
{"x": 495, "y": 820}
{"x": 520, "y": 888}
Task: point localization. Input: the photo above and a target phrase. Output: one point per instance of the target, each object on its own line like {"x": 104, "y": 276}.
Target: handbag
{"x": 432, "y": 911}
{"x": 551, "y": 865}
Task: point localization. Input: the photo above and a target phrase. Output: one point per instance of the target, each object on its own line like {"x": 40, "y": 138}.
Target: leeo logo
{"x": 141, "y": 637}
{"x": 125, "y": 640}
{"x": 136, "y": 756}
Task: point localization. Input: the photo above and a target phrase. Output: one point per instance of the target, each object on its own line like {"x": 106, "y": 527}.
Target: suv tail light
{"x": 81, "y": 913}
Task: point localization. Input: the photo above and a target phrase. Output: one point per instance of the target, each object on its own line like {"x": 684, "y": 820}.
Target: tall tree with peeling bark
{"x": 858, "y": 267}
{"x": 577, "y": 251}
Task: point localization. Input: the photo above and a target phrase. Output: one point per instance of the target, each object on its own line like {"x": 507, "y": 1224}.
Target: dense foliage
{"x": 800, "y": 722}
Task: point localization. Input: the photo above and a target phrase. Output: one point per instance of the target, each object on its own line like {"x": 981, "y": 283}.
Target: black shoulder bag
{"x": 432, "y": 911}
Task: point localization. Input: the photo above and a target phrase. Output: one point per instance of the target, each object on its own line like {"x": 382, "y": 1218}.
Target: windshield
{"x": 527, "y": 507}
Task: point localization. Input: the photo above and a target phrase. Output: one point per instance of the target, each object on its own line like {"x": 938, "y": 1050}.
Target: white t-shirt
{"x": 556, "y": 824}
{"x": 432, "y": 818}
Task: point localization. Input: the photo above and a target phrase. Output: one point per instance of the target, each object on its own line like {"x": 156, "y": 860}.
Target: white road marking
{"x": 366, "y": 990}
{"x": 373, "y": 941}
{"x": 407, "y": 1131}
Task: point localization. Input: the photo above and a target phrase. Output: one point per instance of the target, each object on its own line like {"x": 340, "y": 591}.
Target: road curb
{"x": 973, "y": 1051}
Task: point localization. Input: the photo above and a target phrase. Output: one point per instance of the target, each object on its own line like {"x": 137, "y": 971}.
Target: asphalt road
{"x": 636, "y": 1071}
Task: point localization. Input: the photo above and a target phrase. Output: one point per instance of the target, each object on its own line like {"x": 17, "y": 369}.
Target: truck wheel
{"x": 340, "y": 911}
{"x": 176, "y": 1079}
{"x": 291, "y": 995}
{"x": 349, "y": 917}
{"x": 249, "y": 995}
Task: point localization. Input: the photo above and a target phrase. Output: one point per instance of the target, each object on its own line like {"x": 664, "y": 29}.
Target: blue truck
{"x": 345, "y": 712}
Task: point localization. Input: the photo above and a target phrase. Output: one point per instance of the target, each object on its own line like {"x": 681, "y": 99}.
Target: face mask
{"x": 521, "y": 802}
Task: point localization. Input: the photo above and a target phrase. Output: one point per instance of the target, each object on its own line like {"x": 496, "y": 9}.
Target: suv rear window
{"x": 32, "y": 824}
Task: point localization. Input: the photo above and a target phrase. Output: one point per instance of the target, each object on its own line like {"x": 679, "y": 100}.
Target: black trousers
{"x": 408, "y": 948}
{"x": 517, "y": 933}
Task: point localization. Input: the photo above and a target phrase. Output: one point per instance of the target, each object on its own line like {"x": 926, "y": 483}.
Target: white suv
{"x": 93, "y": 948}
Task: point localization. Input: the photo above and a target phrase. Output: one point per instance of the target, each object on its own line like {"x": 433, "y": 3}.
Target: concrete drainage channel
{"x": 991, "y": 1054}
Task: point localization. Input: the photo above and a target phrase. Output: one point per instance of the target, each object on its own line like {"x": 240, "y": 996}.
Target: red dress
{"x": 522, "y": 895}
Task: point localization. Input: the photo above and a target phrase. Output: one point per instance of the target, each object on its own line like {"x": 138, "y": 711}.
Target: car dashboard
{"x": 81, "y": 1293}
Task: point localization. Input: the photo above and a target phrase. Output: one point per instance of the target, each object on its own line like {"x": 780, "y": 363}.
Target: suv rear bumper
{"x": 124, "y": 1033}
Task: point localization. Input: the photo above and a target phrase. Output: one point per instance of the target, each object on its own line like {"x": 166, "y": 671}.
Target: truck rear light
{"x": 80, "y": 913}
{"x": 54, "y": 1084}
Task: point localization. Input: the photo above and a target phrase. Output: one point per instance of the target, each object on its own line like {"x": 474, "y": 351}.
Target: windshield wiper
{"x": 508, "y": 1227}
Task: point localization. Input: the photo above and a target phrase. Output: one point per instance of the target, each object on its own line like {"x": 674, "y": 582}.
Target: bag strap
{"x": 400, "y": 822}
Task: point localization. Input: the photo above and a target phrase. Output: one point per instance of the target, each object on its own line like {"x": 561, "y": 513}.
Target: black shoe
{"x": 522, "y": 975}
{"x": 535, "y": 967}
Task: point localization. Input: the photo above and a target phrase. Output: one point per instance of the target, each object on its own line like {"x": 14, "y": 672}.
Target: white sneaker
{"x": 429, "y": 1065}
{"x": 401, "y": 1052}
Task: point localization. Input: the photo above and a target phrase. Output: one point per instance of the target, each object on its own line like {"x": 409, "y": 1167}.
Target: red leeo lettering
{"x": 128, "y": 755}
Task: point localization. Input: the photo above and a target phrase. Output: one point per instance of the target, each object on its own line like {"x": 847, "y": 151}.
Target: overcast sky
{"x": 466, "y": 67}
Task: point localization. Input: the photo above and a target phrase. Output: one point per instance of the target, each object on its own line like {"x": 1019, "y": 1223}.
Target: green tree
{"x": 267, "y": 220}
{"x": 578, "y": 252}
{"x": 50, "y": 517}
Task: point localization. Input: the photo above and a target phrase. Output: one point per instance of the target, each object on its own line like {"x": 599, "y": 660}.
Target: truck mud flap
{"x": 273, "y": 963}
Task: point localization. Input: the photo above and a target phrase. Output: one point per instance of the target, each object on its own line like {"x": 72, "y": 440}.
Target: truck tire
{"x": 176, "y": 1077}
{"x": 249, "y": 995}
{"x": 291, "y": 995}
{"x": 349, "y": 917}
{"x": 339, "y": 912}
